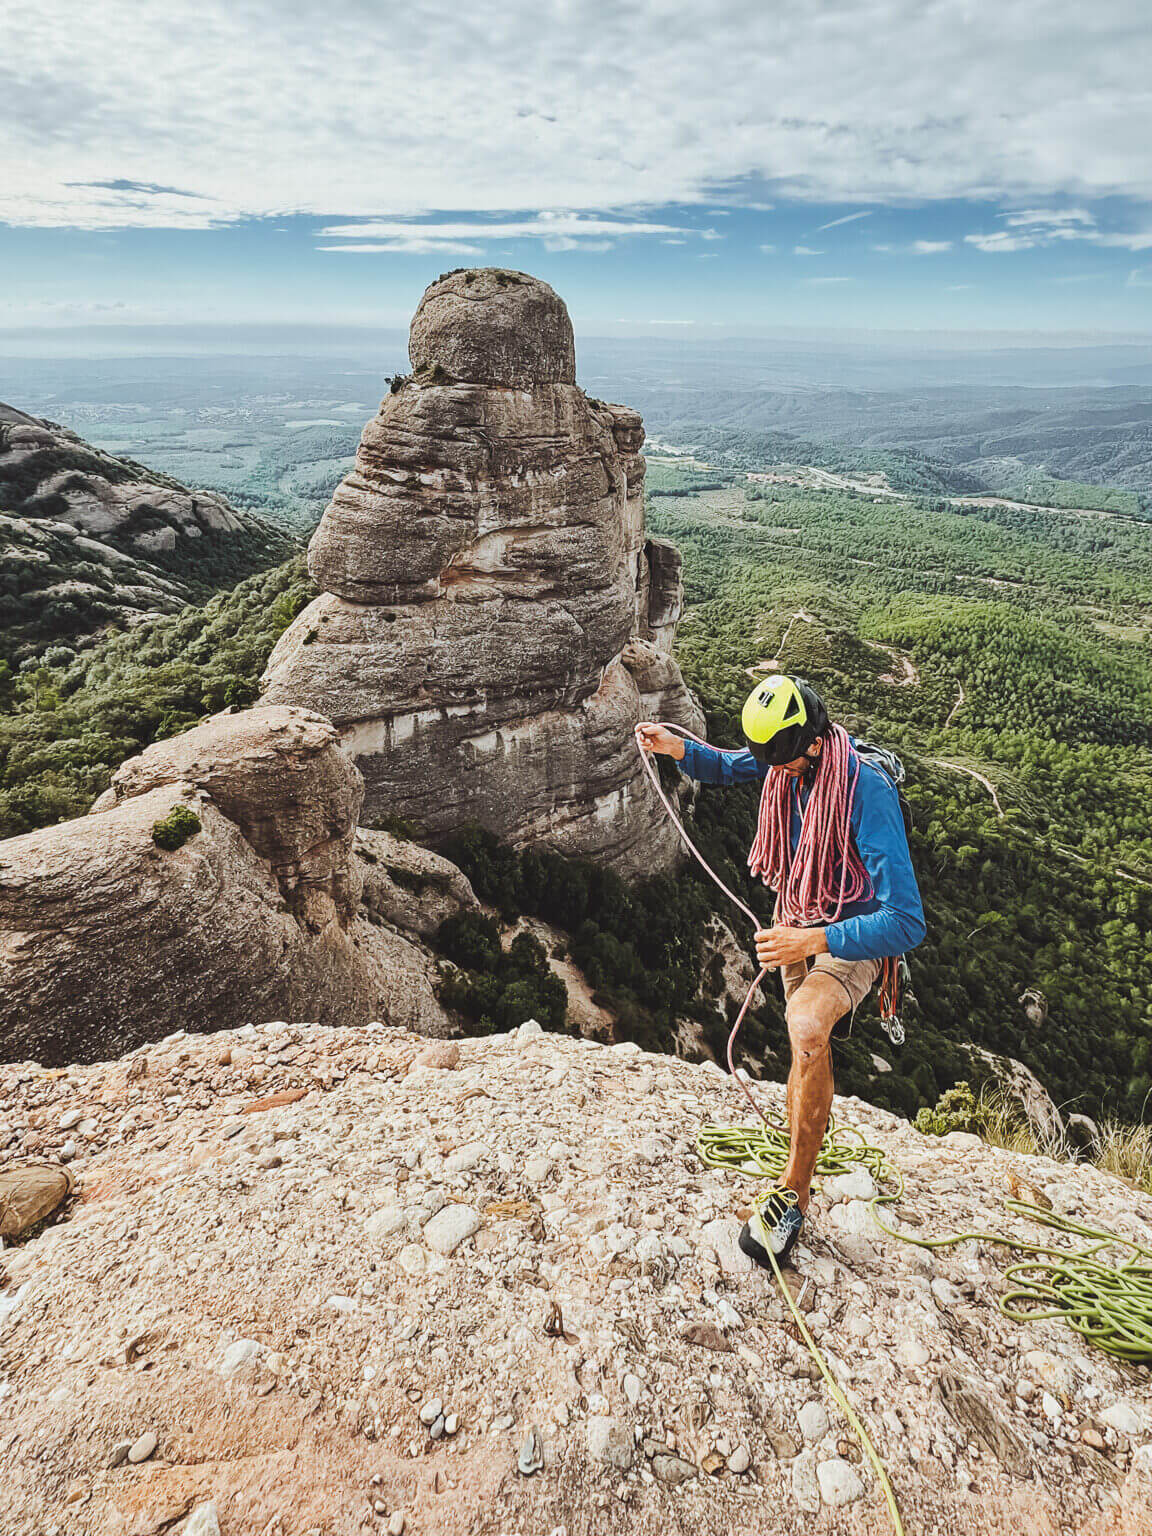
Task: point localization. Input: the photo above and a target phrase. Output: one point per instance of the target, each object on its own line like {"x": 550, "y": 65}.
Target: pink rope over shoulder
{"x": 814, "y": 885}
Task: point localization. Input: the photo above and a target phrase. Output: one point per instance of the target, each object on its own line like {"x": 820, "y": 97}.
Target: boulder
{"x": 112, "y": 934}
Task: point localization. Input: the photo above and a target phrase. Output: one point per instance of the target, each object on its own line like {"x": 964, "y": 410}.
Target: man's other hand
{"x": 784, "y": 946}
{"x": 654, "y": 738}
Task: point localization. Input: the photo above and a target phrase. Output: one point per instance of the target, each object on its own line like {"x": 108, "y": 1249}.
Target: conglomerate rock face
{"x": 338, "y": 1280}
{"x": 484, "y": 570}
{"x": 108, "y": 938}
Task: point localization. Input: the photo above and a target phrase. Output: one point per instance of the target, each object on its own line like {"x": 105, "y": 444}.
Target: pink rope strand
{"x": 813, "y": 885}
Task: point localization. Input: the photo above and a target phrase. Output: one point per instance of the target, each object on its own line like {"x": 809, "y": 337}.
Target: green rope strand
{"x": 1110, "y": 1304}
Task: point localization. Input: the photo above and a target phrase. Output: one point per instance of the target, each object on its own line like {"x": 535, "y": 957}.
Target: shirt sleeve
{"x": 714, "y": 765}
{"x": 897, "y": 925}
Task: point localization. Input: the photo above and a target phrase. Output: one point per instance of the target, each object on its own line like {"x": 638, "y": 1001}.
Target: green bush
{"x": 956, "y": 1110}
{"x": 176, "y": 828}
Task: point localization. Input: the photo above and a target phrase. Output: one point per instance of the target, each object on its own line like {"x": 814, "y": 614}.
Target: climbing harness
{"x": 1109, "y": 1304}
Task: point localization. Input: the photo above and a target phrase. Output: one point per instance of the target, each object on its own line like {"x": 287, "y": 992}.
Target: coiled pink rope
{"x": 814, "y": 884}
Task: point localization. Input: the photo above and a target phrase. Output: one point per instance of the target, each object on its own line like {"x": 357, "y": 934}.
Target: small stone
{"x": 450, "y": 1227}
{"x": 805, "y": 1487}
{"x": 610, "y": 1442}
{"x": 724, "y": 1236}
{"x": 1123, "y": 1418}
{"x": 707, "y": 1335}
{"x": 531, "y": 1457}
{"x": 784, "y": 1445}
{"x": 632, "y": 1387}
{"x": 412, "y": 1259}
{"x": 910, "y": 1351}
{"x": 431, "y": 1411}
{"x": 813, "y": 1420}
{"x": 1090, "y": 1435}
{"x": 68, "y": 1151}
{"x": 141, "y": 1449}
{"x": 436, "y": 1429}
{"x": 119, "y": 1453}
{"x": 451, "y": 1424}
{"x": 537, "y": 1169}
{"x": 244, "y": 1357}
{"x": 442, "y": 1055}
{"x": 946, "y": 1295}
{"x": 384, "y": 1222}
{"x": 671, "y": 1469}
{"x": 465, "y": 1158}
{"x": 839, "y": 1482}
{"x": 740, "y": 1460}
{"x": 343, "y": 1304}
{"x": 527, "y": 1034}
{"x": 856, "y": 1185}
{"x": 269, "y": 1160}
{"x": 70, "y": 1118}
{"x": 203, "y": 1521}
{"x": 1053, "y": 1409}
{"x": 396, "y": 1523}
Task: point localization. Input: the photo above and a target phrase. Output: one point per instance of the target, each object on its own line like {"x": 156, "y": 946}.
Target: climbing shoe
{"x": 773, "y": 1228}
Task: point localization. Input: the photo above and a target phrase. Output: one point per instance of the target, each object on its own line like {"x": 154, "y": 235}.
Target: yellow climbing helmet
{"x": 781, "y": 719}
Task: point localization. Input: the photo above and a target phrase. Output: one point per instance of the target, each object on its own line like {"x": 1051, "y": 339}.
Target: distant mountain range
{"x": 88, "y": 539}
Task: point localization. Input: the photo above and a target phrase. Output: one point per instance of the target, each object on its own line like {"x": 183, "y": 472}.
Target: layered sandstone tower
{"x": 493, "y": 620}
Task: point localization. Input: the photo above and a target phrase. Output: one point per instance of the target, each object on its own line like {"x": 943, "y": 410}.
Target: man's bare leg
{"x": 812, "y": 1011}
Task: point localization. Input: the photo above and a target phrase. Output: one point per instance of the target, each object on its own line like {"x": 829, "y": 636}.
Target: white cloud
{"x": 1136, "y": 240}
{"x": 828, "y": 279}
{"x": 189, "y": 113}
{"x": 1049, "y": 226}
{"x": 847, "y": 219}
{"x": 1057, "y": 218}
{"x": 805, "y": 250}
{"x": 411, "y": 247}
{"x": 769, "y": 250}
{"x": 1001, "y": 241}
{"x": 1140, "y": 277}
{"x": 544, "y": 226}
{"x": 918, "y": 247}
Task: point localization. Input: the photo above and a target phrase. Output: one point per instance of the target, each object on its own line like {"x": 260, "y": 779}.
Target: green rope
{"x": 1109, "y": 1304}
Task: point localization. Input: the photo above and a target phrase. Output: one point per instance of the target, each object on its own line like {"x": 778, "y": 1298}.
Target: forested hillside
{"x": 1007, "y": 658}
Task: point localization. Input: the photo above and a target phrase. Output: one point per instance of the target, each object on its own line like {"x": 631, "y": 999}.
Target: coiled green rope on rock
{"x": 1110, "y": 1304}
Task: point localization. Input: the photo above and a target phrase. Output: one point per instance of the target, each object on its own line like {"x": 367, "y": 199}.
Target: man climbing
{"x": 831, "y": 842}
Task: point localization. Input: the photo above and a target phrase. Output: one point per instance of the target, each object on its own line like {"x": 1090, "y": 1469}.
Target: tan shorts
{"x": 857, "y": 977}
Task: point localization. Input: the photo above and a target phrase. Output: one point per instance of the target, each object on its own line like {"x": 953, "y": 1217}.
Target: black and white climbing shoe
{"x": 773, "y": 1228}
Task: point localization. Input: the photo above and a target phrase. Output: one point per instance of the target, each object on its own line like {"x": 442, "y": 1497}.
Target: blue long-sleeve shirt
{"x": 891, "y": 921}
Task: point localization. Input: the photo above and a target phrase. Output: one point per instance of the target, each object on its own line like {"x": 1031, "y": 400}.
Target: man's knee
{"x": 809, "y": 1031}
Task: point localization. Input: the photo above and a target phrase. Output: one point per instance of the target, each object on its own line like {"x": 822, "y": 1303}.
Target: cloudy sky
{"x": 671, "y": 168}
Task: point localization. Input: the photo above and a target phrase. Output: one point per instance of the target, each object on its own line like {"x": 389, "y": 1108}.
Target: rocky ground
{"x": 335, "y": 1281}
